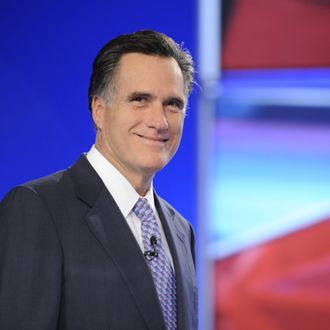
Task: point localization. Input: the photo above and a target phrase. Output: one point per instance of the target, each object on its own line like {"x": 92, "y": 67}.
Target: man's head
{"x": 138, "y": 97}
{"x": 144, "y": 42}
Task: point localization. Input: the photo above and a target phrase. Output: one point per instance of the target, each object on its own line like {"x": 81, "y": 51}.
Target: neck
{"x": 141, "y": 186}
{"x": 141, "y": 181}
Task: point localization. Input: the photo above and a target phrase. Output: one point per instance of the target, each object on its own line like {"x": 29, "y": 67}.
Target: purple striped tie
{"x": 159, "y": 264}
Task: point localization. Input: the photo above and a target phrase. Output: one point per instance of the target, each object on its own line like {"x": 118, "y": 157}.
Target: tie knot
{"x": 142, "y": 209}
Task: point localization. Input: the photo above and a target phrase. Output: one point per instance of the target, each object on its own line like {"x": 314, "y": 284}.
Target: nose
{"x": 157, "y": 117}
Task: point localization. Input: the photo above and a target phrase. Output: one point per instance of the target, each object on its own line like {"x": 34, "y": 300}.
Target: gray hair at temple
{"x": 146, "y": 42}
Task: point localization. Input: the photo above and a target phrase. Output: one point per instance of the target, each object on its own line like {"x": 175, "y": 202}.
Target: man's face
{"x": 140, "y": 128}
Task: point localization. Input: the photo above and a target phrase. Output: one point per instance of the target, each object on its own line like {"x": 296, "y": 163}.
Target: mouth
{"x": 161, "y": 139}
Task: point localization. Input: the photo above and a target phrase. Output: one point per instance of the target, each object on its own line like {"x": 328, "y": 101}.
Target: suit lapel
{"x": 111, "y": 230}
{"x": 185, "y": 275}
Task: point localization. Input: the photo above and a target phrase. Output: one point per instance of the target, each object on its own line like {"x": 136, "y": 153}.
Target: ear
{"x": 98, "y": 110}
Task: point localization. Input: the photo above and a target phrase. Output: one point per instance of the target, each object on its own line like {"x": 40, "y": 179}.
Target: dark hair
{"x": 146, "y": 42}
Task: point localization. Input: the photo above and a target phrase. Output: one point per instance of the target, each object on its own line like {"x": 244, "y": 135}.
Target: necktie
{"x": 159, "y": 264}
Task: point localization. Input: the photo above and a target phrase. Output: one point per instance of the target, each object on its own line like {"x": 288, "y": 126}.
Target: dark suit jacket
{"x": 68, "y": 259}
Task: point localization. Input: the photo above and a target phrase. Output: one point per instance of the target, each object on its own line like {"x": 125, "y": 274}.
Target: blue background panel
{"x": 46, "y": 53}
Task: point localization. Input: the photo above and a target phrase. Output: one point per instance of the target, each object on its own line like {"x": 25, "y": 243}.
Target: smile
{"x": 155, "y": 140}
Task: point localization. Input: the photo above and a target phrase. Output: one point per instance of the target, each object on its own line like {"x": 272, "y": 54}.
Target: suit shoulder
{"x": 46, "y": 181}
{"x": 50, "y": 183}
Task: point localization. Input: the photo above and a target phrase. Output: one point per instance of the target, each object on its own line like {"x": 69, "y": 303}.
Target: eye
{"x": 175, "y": 105}
{"x": 138, "y": 99}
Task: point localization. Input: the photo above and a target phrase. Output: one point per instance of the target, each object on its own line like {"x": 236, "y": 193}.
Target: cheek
{"x": 176, "y": 134}
{"x": 115, "y": 126}
{"x": 177, "y": 128}
{"x": 176, "y": 122}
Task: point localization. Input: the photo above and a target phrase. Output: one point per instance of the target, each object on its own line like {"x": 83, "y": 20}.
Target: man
{"x": 93, "y": 247}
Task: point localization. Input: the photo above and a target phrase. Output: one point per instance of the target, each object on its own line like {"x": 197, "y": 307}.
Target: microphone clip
{"x": 150, "y": 254}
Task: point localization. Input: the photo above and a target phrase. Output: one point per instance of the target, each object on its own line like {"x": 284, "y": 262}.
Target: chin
{"x": 154, "y": 166}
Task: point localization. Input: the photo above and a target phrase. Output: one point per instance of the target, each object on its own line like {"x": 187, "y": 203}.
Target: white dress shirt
{"x": 125, "y": 196}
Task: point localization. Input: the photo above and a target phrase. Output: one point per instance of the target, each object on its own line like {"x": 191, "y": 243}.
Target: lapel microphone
{"x": 150, "y": 254}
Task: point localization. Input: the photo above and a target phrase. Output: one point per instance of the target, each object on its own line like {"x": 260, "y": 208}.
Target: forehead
{"x": 137, "y": 70}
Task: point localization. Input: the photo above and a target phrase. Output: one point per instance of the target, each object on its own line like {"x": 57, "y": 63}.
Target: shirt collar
{"x": 119, "y": 187}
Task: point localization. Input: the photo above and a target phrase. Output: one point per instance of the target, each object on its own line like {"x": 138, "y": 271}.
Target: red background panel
{"x": 283, "y": 284}
{"x": 278, "y": 33}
